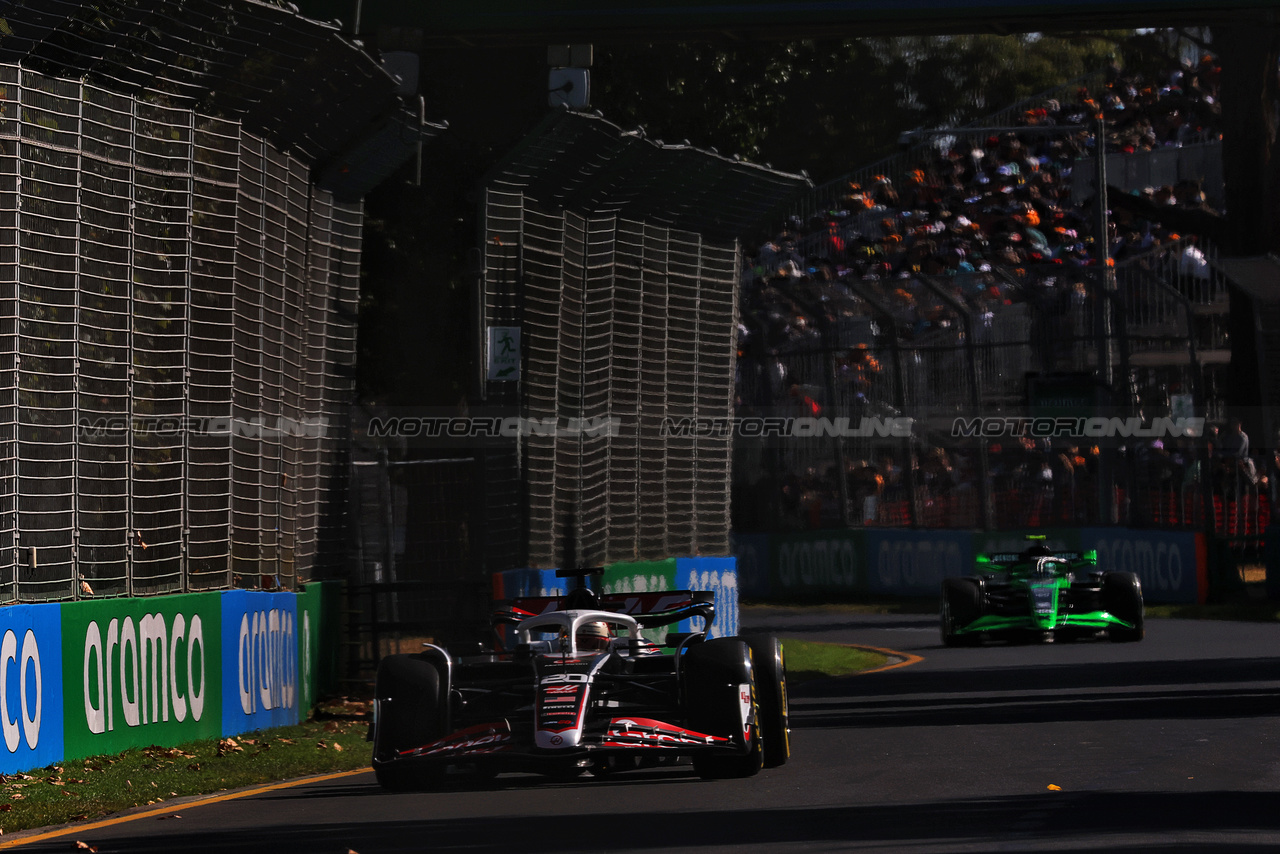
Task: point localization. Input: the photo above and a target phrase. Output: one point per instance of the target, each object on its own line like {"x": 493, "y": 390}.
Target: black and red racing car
{"x": 579, "y": 689}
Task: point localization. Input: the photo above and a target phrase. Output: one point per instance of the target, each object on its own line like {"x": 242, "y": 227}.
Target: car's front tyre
{"x": 771, "y": 683}
{"x": 961, "y": 605}
{"x": 713, "y": 675}
{"x": 1122, "y": 598}
{"x": 409, "y": 716}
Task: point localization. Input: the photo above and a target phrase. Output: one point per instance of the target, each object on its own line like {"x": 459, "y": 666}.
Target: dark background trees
{"x": 829, "y": 107}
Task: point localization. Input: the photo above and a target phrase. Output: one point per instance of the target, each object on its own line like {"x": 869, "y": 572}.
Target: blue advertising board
{"x": 720, "y": 576}
{"x": 817, "y": 564}
{"x": 517, "y": 583}
{"x": 913, "y": 563}
{"x": 1170, "y": 564}
{"x": 752, "y": 553}
{"x": 260, "y": 635}
{"x": 31, "y": 706}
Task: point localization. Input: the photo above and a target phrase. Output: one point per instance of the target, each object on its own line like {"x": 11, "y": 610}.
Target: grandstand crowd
{"x": 984, "y": 222}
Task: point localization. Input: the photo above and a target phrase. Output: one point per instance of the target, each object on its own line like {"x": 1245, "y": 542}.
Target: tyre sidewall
{"x": 769, "y": 664}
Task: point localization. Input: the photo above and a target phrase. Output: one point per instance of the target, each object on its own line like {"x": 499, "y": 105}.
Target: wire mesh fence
{"x": 627, "y": 329}
{"x": 179, "y": 335}
{"x": 866, "y": 381}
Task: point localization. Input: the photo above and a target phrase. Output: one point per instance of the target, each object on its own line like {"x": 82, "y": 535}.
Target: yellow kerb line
{"x": 172, "y": 808}
{"x": 907, "y": 658}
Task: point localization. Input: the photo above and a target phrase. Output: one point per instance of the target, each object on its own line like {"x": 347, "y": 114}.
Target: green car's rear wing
{"x": 999, "y": 561}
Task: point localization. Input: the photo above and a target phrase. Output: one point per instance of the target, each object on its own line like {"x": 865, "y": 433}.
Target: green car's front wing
{"x": 1044, "y": 598}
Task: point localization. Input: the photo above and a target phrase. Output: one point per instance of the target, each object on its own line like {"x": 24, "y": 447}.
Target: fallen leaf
{"x": 1054, "y": 788}
{"x": 84, "y": 846}
{"x": 16, "y": 797}
{"x": 5, "y": 807}
{"x": 337, "y": 747}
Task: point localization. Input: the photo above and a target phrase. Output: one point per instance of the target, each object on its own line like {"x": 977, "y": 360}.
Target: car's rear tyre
{"x": 712, "y": 674}
{"x": 409, "y": 716}
{"x": 961, "y": 605}
{"x": 1122, "y": 598}
{"x": 771, "y": 686}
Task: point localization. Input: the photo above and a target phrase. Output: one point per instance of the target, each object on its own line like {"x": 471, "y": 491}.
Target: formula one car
{"x": 1041, "y": 594}
{"x": 580, "y": 690}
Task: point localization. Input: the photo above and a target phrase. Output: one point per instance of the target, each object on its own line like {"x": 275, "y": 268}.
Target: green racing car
{"x": 1041, "y": 594}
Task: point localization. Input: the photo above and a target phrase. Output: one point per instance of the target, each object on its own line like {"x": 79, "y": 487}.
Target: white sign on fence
{"x": 504, "y": 353}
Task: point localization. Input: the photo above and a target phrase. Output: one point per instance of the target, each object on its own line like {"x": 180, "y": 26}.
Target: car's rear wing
{"x": 996, "y": 561}
{"x": 659, "y": 608}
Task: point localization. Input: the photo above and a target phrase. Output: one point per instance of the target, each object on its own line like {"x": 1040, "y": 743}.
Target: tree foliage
{"x": 826, "y": 107}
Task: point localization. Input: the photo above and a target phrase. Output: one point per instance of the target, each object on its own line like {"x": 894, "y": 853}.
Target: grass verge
{"x": 807, "y": 660}
{"x": 87, "y": 789}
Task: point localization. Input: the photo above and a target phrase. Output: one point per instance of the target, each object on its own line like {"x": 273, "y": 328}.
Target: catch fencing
{"x": 617, "y": 258}
{"x": 923, "y": 354}
{"x": 627, "y": 327}
{"x": 179, "y": 334}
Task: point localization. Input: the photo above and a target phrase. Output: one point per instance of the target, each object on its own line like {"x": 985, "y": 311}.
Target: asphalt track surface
{"x": 1169, "y": 745}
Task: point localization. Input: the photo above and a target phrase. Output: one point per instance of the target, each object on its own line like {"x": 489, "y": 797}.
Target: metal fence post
{"x": 16, "y": 450}
{"x": 76, "y": 578}
{"x": 131, "y": 403}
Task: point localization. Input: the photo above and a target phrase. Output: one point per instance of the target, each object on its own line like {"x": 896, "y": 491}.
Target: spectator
{"x": 1235, "y": 454}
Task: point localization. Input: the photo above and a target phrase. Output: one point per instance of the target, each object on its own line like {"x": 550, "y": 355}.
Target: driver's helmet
{"x": 1037, "y": 551}
{"x": 594, "y": 636}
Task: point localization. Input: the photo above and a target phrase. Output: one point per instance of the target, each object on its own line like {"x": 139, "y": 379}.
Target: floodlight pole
{"x": 1106, "y": 287}
{"x": 1102, "y": 252}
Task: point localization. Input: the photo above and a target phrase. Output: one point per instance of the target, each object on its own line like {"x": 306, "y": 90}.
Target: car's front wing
{"x": 1033, "y": 622}
{"x": 496, "y": 744}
